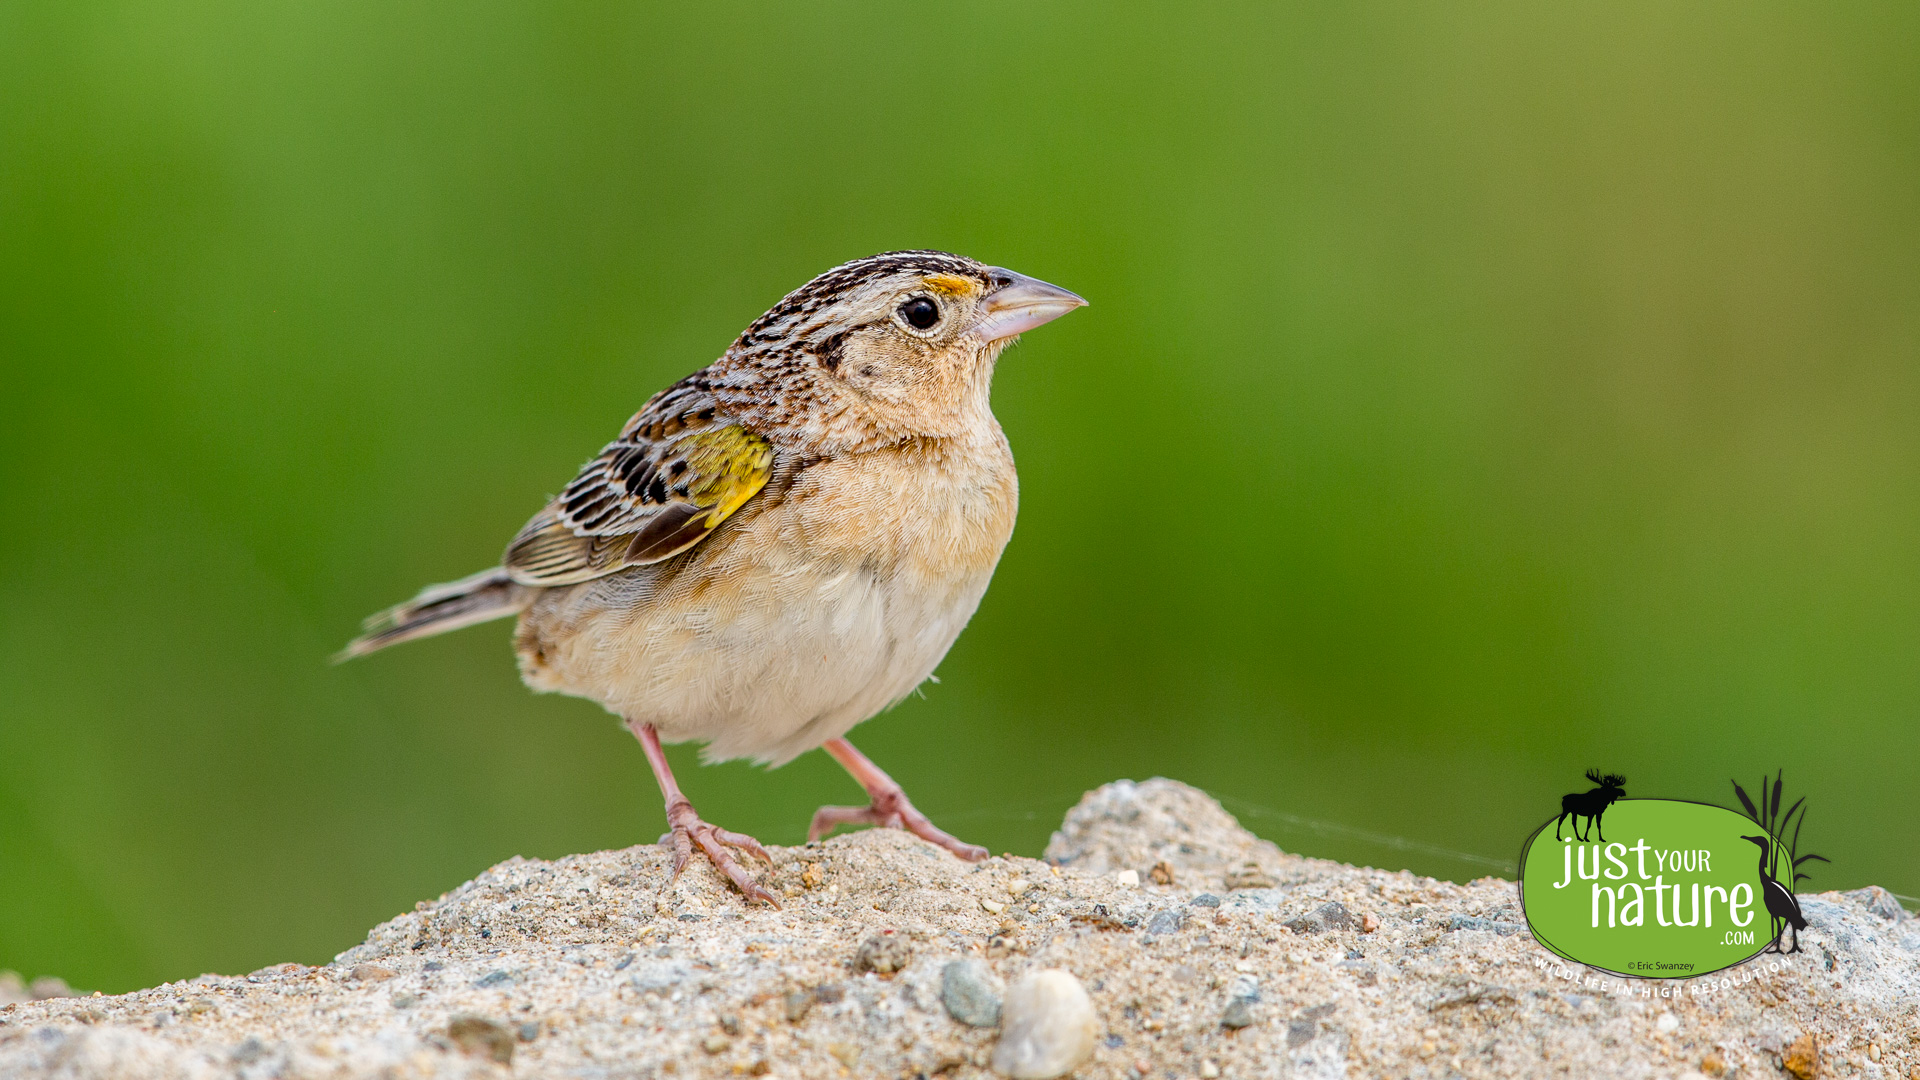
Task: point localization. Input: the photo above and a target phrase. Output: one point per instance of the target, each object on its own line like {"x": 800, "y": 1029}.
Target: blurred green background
{"x": 1473, "y": 394}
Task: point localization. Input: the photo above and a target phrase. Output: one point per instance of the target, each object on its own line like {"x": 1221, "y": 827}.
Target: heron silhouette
{"x": 1779, "y": 899}
{"x": 1591, "y": 805}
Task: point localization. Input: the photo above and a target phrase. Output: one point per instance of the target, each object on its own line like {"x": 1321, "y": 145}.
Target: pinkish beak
{"x": 1020, "y": 303}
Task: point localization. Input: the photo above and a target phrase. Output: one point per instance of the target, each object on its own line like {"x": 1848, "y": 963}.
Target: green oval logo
{"x": 1657, "y": 888}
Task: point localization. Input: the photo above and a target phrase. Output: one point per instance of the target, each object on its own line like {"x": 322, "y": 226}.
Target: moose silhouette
{"x": 1591, "y": 805}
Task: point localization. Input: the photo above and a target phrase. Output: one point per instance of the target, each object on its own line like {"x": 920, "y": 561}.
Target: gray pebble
{"x": 1476, "y": 922}
{"x": 1166, "y": 922}
{"x": 1205, "y": 900}
{"x": 1241, "y": 999}
{"x": 1332, "y": 915}
{"x": 971, "y": 993}
{"x": 49, "y": 986}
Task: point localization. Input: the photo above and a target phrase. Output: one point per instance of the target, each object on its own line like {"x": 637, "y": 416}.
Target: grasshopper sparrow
{"x": 781, "y": 544}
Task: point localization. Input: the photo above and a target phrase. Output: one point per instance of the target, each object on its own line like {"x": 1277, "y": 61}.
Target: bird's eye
{"x": 920, "y": 312}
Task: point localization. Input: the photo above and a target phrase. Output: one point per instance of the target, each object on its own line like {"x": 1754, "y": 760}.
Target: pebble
{"x": 1802, "y": 1058}
{"x": 1128, "y": 878}
{"x": 971, "y": 993}
{"x": 1241, "y": 999}
{"x": 1047, "y": 1027}
{"x": 883, "y": 953}
{"x": 1249, "y": 876}
{"x": 1208, "y": 1070}
{"x": 1205, "y": 900}
{"x": 1332, "y": 915}
{"x": 49, "y": 986}
{"x": 481, "y": 1037}
{"x": 1666, "y": 1023}
{"x": 1167, "y": 922}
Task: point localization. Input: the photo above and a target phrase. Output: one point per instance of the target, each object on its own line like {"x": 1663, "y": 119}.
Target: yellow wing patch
{"x": 641, "y": 501}
{"x": 731, "y": 465}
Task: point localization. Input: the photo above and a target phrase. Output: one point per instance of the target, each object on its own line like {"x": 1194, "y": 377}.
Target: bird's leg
{"x": 689, "y": 830}
{"x": 889, "y": 807}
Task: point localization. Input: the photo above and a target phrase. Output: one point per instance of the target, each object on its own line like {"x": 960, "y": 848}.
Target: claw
{"x": 689, "y": 830}
{"x": 891, "y": 810}
{"x": 745, "y": 843}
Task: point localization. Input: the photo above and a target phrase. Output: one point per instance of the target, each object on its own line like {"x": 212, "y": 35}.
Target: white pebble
{"x": 1047, "y": 1027}
{"x": 1666, "y": 1023}
{"x": 1129, "y": 878}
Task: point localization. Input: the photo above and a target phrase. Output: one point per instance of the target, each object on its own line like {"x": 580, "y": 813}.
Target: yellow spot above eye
{"x": 949, "y": 284}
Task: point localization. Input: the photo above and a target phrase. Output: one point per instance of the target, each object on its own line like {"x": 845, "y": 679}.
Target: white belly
{"x": 775, "y": 639}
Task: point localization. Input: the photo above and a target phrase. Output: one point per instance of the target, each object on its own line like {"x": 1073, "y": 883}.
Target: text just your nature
{"x": 1626, "y": 903}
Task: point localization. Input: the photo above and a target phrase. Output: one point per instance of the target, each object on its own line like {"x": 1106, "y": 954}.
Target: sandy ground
{"x": 1206, "y": 952}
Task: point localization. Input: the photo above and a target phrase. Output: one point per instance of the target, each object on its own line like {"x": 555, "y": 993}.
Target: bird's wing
{"x": 676, "y": 472}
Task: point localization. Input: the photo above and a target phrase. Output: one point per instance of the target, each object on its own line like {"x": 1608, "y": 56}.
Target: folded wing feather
{"x": 672, "y": 477}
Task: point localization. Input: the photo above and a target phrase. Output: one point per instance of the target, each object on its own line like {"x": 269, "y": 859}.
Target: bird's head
{"x": 905, "y": 340}
{"x": 1764, "y": 843}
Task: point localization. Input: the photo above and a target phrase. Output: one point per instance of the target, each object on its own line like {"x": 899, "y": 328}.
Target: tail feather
{"x": 487, "y": 595}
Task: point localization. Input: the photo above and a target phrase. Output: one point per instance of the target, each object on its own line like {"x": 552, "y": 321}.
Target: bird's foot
{"x": 890, "y": 809}
{"x": 713, "y": 841}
